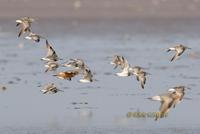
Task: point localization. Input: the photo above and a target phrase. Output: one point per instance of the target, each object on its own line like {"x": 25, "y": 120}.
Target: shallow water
{"x": 101, "y": 106}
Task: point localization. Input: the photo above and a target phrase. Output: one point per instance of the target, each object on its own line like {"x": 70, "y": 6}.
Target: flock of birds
{"x": 168, "y": 100}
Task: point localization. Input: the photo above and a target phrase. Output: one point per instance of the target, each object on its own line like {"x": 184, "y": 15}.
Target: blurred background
{"x": 99, "y": 9}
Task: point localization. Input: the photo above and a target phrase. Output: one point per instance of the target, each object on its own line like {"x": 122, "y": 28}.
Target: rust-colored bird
{"x": 67, "y": 74}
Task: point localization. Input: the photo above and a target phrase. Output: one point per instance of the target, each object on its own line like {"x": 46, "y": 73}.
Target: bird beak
{"x": 149, "y": 98}
{"x": 60, "y": 90}
{"x": 148, "y": 73}
{"x": 188, "y": 88}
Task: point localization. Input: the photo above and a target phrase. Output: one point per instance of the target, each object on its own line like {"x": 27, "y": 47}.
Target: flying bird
{"x": 179, "y": 49}
{"x": 51, "y": 53}
{"x": 76, "y": 64}
{"x": 118, "y": 61}
{"x": 67, "y": 74}
{"x": 180, "y": 91}
{"x": 51, "y": 66}
{"x": 87, "y": 76}
{"x": 34, "y": 37}
{"x": 169, "y": 99}
{"x": 141, "y": 77}
{"x": 50, "y": 88}
{"x": 25, "y": 23}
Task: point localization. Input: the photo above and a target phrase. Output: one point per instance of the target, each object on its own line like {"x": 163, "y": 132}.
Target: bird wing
{"x": 166, "y": 104}
{"x": 175, "y": 57}
{"x": 142, "y": 80}
{"x": 51, "y": 52}
{"x": 21, "y": 32}
{"x": 86, "y": 74}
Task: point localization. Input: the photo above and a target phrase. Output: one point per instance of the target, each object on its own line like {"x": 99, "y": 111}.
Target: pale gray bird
{"x": 51, "y": 66}
{"x": 51, "y": 54}
{"x": 87, "y": 76}
{"x": 50, "y": 88}
{"x": 76, "y": 64}
{"x": 25, "y": 23}
{"x": 135, "y": 70}
{"x": 125, "y": 72}
{"x": 179, "y": 49}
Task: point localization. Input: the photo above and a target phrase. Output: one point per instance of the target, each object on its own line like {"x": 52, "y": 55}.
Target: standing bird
{"x": 34, "y": 37}
{"x": 179, "y": 51}
{"x": 50, "y": 88}
{"x": 51, "y": 53}
{"x": 87, "y": 76}
{"x": 167, "y": 101}
{"x": 25, "y": 23}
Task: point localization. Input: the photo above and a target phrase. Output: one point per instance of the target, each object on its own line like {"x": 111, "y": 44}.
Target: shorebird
{"x": 34, "y": 37}
{"x": 76, "y": 64}
{"x": 141, "y": 77}
{"x": 125, "y": 72}
{"x": 167, "y": 101}
{"x": 51, "y": 66}
{"x": 118, "y": 61}
{"x": 67, "y": 74}
{"x": 25, "y": 23}
{"x": 179, "y": 51}
{"x": 50, "y": 88}
{"x": 124, "y": 65}
{"x": 87, "y": 76}
{"x": 51, "y": 53}
{"x": 136, "y": 69}
{"x": 180, "y": 91}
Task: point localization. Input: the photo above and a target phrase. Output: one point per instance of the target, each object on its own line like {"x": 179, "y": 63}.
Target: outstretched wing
{"x": 51, "y": 52}
{"x": 175, "y": 57}
{"x": 142, "y": 80}
{"x": 165, "y": 105}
